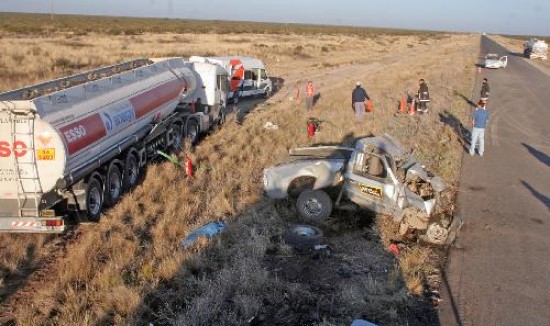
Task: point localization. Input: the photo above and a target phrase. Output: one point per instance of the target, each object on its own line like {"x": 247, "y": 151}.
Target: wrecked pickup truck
{"x": 378, "y": 174}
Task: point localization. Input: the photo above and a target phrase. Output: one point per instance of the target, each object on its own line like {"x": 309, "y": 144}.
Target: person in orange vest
{"x": 310, "y": 92}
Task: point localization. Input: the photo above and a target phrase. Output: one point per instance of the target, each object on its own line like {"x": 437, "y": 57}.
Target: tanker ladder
{"x": 29, "y": 188}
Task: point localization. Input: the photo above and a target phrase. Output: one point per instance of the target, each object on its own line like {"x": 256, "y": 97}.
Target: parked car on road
{"x": 493, "y": 61}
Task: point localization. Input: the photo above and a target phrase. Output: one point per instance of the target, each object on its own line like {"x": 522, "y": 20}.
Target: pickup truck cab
{"x": 377, "y": 174}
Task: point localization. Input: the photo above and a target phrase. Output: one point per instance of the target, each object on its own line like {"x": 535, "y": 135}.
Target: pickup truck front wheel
{"x": 314, "y": 205}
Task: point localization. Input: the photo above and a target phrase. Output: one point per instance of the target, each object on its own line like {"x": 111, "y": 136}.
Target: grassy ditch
{"x": 129, "y": 268}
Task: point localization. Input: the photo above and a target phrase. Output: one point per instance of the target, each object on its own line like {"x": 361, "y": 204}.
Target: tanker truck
{"x": 74, "y": 145}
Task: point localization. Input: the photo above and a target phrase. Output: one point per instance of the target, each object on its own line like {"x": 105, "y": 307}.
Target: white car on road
{"x": 493, "y": 61}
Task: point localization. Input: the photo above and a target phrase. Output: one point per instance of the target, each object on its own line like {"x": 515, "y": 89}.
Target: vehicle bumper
{"x": 54, "y": 224}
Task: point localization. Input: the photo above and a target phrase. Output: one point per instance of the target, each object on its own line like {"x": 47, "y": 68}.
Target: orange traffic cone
{"x": 412, "y": 109}
{"x": 402, "y": 106}
{"x": 297, "y": 96}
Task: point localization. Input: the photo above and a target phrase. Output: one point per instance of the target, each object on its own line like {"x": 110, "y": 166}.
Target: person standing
{"x": 479, "y": 119}
{"x": 485, "y": 90}
{"x": 310, "y": 93}
{"x": 358, "y": 97}
{"x": 423, "y": 96}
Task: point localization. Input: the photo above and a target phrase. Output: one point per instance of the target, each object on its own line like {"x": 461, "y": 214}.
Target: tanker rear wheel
{"x": 192, "y": 131}
{"x": 177, "y": 132}
{"x": 94, "y": 199}
{"x": 113, "y": 185}
{"x": 131, "y": 171}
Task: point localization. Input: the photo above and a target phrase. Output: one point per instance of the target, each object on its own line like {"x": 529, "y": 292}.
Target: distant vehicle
{"x": 73, "y": 145}
{"x": 535, "y": 49}
{"x": 493, "y": 61}
{"x": 248, "y": 76}
{"x": 483, "y": 33}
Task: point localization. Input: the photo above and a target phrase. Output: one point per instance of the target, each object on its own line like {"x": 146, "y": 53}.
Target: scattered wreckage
{"x": 378, "y": 174}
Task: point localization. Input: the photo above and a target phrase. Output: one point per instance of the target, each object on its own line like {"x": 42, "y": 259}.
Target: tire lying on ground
{"x": 303, "y": 237}
{"x": 314, "y": 205}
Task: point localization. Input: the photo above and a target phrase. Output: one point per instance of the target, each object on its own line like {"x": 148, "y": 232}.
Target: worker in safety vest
{"x": 422, "y": 96}
{"x": 310, "y": 92}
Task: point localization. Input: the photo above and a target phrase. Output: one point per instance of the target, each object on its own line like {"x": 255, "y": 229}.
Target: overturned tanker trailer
{"x": 75, "y": 144}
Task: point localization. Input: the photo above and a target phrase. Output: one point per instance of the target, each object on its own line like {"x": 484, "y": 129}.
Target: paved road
{"x": 500, "y": 272}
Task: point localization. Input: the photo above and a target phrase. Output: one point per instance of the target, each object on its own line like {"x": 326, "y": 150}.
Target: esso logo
{"x": 19, "y": 148}
{"x": 75, "y": 133}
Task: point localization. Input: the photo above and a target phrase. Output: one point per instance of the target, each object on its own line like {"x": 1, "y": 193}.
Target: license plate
{"x": 373, "y": 191}
{"x": 45, "y": 154}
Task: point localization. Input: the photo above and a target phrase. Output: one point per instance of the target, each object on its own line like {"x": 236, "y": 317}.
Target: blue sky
{"x": 505, "y": 16}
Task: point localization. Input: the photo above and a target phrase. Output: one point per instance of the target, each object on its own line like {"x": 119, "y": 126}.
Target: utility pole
{"x": 51, "y": 10}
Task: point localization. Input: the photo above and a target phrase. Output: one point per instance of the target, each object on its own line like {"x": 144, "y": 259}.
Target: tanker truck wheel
{"x": 177, "y": 132}
{"x": 192, "y": 131}
{"x": 113, "y": 185}
{"x": 131, "y": 171}
{"x": 94, "y": 199}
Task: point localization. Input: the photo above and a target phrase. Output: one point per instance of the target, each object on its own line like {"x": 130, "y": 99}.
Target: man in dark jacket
{"x": 422, "y": 96}
{"x": 358, "y": 97}
{"x": 485, "y": 90}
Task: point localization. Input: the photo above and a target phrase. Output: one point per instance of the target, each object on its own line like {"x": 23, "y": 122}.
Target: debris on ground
{"x": 170, "y": 157}
{"x": 362, "y": 322}
{"x": 303, "y": 237}
{"x": 207, "y": 230}
{"x": 394, "y": 249}
{"x": 271, "y": 126}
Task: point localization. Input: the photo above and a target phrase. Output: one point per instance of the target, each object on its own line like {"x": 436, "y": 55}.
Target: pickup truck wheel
{"x": 94, "y": 199}
{"x": 314, "y": 205}
{"x": 303, "y": 237}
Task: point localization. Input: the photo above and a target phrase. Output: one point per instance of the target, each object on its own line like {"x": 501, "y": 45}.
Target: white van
{"x": 247, "y": 75}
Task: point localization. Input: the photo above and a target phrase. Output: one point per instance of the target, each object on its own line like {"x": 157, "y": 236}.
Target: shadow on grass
{"x": 544, "y": 158}
{"x": 467, "y": 100}
{"x": 462, "y": 132}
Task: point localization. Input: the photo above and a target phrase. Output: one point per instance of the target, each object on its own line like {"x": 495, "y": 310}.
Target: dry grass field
{"x": 130, "y": 269}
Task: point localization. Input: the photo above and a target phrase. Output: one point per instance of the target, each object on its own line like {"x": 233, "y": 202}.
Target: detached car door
{"x": 368, "y": 182}
{"x": 503, "y": 61}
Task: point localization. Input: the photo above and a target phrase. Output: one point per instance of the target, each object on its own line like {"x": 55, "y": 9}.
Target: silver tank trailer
{"x": 49, "y": 131}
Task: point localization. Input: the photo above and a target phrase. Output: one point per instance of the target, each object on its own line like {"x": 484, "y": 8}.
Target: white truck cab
{"x": 247, "y": 76}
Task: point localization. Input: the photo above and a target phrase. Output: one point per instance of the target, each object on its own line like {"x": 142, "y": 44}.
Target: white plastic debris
{"x": 362, "y": 322}
{"x": 271, "y": 126}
